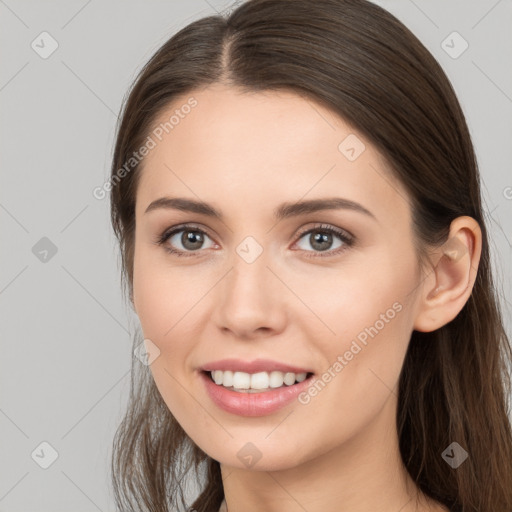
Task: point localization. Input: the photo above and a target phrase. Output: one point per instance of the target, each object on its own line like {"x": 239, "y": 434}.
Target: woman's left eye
{"x": 192, "y": 240}
{"x": 322, "y": 236}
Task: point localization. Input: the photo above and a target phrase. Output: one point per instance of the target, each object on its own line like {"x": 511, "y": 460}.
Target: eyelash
{"x": 348, "y": 240}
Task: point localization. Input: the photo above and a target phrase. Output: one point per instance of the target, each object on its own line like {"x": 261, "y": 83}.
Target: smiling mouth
{"x": 250, "y": 390}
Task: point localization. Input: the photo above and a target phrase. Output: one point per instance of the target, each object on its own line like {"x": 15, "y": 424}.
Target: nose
{"x": 251, "y": 300}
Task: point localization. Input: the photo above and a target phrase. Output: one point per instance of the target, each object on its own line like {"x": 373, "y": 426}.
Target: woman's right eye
{"x": 191, "y": 240}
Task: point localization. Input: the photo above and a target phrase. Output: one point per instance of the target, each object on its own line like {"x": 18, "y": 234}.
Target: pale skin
{"x": 246, "y": 154}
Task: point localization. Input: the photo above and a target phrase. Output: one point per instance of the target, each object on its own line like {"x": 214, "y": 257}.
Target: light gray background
{"x": 65, "y": 331}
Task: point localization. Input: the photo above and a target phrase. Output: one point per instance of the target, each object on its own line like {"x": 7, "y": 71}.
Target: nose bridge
{"x": 250, "y": 293}
{"x": 248, "y": 281}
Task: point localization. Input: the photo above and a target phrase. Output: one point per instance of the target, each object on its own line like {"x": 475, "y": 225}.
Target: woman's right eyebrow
{"x": 185, "y": 205}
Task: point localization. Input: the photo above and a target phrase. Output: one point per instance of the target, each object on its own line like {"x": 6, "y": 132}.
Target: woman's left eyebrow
{"x": 287, "y": 210}
{"x": 284, "y": 211}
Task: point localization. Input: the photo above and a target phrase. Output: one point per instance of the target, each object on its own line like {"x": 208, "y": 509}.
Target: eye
{"x": 321, "y": 239}
{"x": 187, "y": 239}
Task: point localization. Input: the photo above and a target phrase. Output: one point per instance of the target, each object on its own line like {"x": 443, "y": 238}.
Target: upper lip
{"x": 258, "y": 365}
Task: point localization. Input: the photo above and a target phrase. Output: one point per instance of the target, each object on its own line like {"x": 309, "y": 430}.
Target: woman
{"x": 298, "y": 207}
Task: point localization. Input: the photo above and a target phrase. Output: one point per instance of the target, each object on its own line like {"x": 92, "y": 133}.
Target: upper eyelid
{"x": 326, "y": 226}
{"x": 180, "y": 227}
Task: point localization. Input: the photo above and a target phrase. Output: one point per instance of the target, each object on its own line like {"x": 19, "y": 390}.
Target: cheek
{"x": 162, "y": 302}
{"x": 161, "y": 294}
{"x": 369, "y": 315}
{"x": 355, "y": 302}
{"x": 166, "y": 302}
{"x": 361, "y": 372}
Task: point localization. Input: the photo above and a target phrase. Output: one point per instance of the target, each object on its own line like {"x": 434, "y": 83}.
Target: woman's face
{"x": 255, "y": 286}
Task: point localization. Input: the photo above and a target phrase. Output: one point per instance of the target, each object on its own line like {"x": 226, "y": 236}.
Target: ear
{"x": 448, "y": 287}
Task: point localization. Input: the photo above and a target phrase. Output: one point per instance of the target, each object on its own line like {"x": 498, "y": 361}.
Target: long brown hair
{"x": 361, "y": 62}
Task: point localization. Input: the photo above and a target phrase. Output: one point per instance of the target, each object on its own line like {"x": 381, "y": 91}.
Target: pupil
{"x": 321, "y": 237}
{"x": 189, "y": 238}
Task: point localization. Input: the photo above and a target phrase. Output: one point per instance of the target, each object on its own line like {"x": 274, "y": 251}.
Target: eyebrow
{"x": 284, "y": 211}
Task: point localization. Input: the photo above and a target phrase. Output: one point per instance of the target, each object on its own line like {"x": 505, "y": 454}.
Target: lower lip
{"x": 253, "y": 404}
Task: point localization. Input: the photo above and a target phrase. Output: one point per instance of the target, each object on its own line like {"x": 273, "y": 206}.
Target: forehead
{"x": 220, "y": 143}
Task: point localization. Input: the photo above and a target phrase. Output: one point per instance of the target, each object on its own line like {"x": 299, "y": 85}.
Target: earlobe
{"x": 445, "y": 292}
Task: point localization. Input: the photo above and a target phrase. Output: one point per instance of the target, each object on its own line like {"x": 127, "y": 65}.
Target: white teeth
{"x": 227, "y": 378}
{"x": 241, "y": 380}
{"x": 260, "y": 380}
{"x": 300, "y": 377}
{"x": 276, "y": 379}
{"x": 289, "y": 378}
